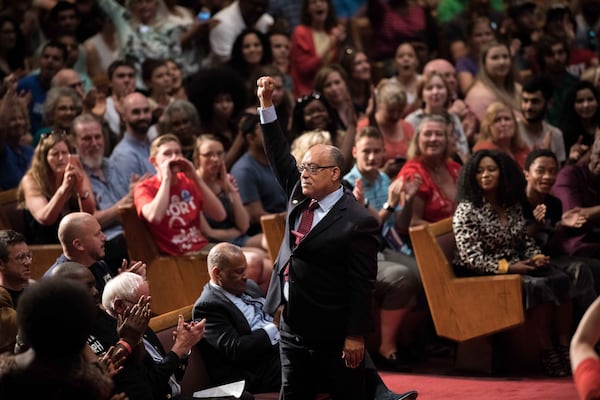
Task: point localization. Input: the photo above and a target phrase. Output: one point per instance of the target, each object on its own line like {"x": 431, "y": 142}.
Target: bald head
{"x": 222, "y": 256}
{"x": 81, "y": 237}
{"x": 227, "y": 268}
{"x": 77, "y": 272}
{"x": 69, "y": 77}
{"x": 444, "y": 68}
{"x": 136, "y": 114}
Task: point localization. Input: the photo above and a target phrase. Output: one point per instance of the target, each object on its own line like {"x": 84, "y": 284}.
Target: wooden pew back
{"x": 175, "y": 281}
{"x": 463, "y": 308}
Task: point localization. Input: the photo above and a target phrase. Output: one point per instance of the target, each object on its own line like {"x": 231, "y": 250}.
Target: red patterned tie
{"x": 306, "y": 221}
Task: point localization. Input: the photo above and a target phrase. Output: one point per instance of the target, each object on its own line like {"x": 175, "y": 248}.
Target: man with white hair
{"x": 158, "y": 374}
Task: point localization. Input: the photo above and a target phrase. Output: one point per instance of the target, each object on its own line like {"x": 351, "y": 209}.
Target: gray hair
{"x": 53, "y": 96}
{"x": 175, "y": 106}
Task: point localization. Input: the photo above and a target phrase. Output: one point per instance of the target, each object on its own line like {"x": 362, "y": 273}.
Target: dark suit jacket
{"x": 333, "y": 269}
{"x": 231, "y": 349}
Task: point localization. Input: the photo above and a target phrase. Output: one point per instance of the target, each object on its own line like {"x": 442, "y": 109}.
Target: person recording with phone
{"x": 173, "y": 201}
{"x": 54, "y": 186}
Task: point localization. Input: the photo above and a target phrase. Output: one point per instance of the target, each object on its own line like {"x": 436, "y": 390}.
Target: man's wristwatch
{"x": 388, "y": 207}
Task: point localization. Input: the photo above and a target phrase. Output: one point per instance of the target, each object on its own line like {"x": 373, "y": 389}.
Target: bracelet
{"x": 503, "y": 266}
{"x": 85, "y": 195}
{"x": 125, "y": 345}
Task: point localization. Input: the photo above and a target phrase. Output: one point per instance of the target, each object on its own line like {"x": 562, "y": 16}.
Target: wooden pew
{"x": 463, "y": 308}
{"x": 11, "y": 217}
{"x": 175, "y": 281}
{"x": 273, "y": 227}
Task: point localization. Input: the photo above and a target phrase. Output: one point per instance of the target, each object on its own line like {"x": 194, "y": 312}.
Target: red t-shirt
{"x": 179, "y": 231}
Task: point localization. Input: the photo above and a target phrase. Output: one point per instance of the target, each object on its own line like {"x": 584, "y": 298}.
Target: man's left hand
{"x": 354, "y": 351}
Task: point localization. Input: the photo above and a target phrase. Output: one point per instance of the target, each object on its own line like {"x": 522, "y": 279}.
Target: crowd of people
{"x": 486, "y": 112}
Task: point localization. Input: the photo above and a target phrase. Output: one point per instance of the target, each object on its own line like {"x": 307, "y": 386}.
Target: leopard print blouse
{"x": 482, "y": 239}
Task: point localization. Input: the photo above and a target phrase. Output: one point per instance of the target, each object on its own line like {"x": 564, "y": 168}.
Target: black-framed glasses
{"x": 313, "y": 169}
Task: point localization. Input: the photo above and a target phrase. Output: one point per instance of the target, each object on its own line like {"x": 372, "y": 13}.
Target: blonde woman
{"x": 499, "y": 132}
{"x": 496, "y": 80}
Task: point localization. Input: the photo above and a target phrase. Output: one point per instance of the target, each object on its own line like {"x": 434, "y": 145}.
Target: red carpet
{"x": 431, "y": 387}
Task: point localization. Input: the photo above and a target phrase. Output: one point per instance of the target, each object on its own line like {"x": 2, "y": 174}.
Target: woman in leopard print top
{"x": 491, "y": 238}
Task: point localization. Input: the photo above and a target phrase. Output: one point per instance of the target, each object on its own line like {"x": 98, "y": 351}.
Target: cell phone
{"x": 203, "y": 15}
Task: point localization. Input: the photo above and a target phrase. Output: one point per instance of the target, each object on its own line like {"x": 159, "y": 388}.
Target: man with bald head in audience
{"x": 69, "y": 77}
{"x": 131, "y": 156}
{"x": 82, "y": 241}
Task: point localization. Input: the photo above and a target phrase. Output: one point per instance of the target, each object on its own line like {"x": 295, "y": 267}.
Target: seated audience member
{"x": 356, "y": 65}
{"x": 390, "y": 101}
{"x": 491, "y": 238}
{"x": 178, "y": 90}
{"x": 121, "y": 76}
{"x": 15, "y": 156}
{"x": 82, "y": 241}
{"x": 280, "y": 43}
{"x": 457, "y": 105}
{"x": 15, "y": 277}
{"x": 397, "y": 282}
{"x": 181, "y": 119}
{"x": 54, "y": 185}
{"x": 156, "y": 375}
{"x": 533, "y": 130}
{"x": 62, "y": 105}
{"x": 131, "y": 155}
{"x": 545, "y": 217}
{"x": 499, "y": 132}
{"x": 76, "y": 57}
{"x": 428, "y": 160}
{"x": 282, "y": 96}
{"x": 259, "y": 189}
{"x": 54, "y": 366}
{"x": 208, "y": 158}
{"x": 552, "y": 54}
{"x": 406, "y": 75}
{"x": 580, "y": 118}
{"x": 241, "y": 341}
{"x": 106, "y": 183}
{"x": 14, "y": 49}
{"x": 157, "y": 79}
{"x": 250, "y": 51}
{"x": 172, "y": 201}
{"x": 584, "y": 357}
{"x": 219, "y": 95}
{"x": 332, "y": 82}
{"x": 479, "y": 32}
{"x": 434, "y": 98}
{"x": 496, "y": 80}
{"x": 70, "y": 78}
{"x": 577, "y": 186}
{"x": 52, "y": 59}
{"x": 315, "y": 43}
{"x": 233, "y": 19}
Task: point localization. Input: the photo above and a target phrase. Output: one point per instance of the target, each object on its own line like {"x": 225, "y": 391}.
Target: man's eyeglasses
{"x": 24, "y": 257}
{"x": 313, "y": 169}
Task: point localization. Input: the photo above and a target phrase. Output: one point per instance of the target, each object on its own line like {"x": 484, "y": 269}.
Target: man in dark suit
{"x": 240, "y": 341}
{"x": 325, "y": 275}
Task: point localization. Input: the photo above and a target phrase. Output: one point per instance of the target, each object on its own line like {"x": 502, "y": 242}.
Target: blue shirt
{"x": 131, "y": 157}
{"x": 14, "y": 165}
{"x": 32, "y": 84}
{"x": 108, "y": 193}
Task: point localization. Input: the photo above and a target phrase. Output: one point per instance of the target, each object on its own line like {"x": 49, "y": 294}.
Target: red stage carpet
{"x": 431, "y": 387}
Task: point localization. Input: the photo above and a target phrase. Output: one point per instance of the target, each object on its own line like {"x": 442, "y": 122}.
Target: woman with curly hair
{"x": 491, "y": 238}
{"x": 219, "y": 95}
{"x": 499, "y": 132}
{"x": 181, "y": 119}
{"x": 61, "y": 107}
{"x": 54, "y": 186}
